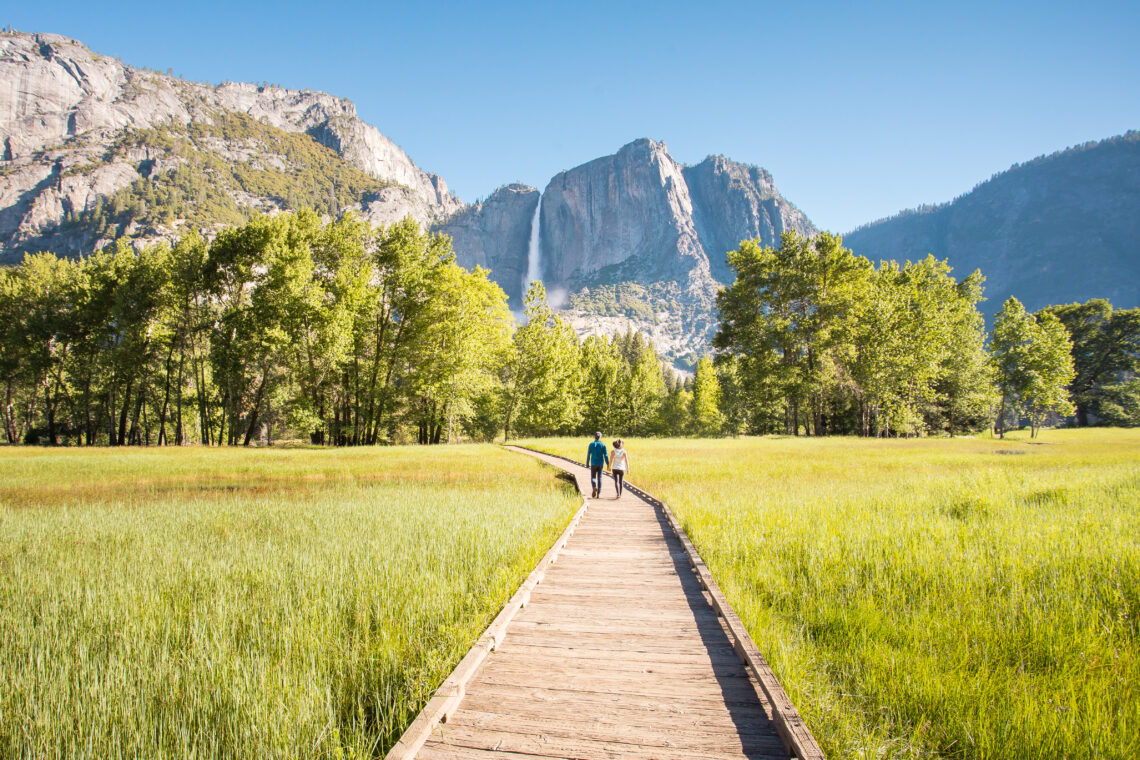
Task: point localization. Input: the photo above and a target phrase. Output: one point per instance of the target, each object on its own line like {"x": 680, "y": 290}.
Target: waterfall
{"x": 534, "y": 250}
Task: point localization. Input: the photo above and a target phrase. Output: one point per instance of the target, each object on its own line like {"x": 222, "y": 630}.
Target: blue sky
{"x": 857, "y": 109}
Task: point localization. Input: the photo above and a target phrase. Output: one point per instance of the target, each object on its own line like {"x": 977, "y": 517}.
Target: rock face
{"x": 1058, "y": 229}
{"x": 92, "y": 149}
{"x": 734, "y": 202}
{"x": 62, "y": 106}
{"x": 633, "y": 240}
{"x": 495, "y": 235}
{"x": 628, "y": 216}
{"x": 638, "y": 215}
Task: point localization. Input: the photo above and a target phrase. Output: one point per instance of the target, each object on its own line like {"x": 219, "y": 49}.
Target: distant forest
{"x": 287, "y": 327}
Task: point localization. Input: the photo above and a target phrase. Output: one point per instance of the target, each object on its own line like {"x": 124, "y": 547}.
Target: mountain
{"x": 634, "y": 238}
{"x": 93, "y": 149}
{"x": 494, "y": 234}
{"x": 1057, "y": 229}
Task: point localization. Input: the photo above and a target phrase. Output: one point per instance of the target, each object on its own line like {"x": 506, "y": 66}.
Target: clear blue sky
{"x": 857, "y": 109}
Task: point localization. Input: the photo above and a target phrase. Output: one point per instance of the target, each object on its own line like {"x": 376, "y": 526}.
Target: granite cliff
{"x": 78, "y": 129}
{"x": 494, "y": 234}
{"x": 632, "y": 239}
{"x": 1057, "y": 229}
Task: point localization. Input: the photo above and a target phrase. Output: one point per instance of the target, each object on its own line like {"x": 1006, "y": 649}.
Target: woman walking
{"x": 619, "y": 465}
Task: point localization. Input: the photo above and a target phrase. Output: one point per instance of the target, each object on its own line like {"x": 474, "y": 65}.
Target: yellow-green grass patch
{"x": 251, "y": 603}
{"x": 967, "y": 597}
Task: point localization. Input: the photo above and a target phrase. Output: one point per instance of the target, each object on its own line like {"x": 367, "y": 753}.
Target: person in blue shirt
{"x": 596, "y": 459}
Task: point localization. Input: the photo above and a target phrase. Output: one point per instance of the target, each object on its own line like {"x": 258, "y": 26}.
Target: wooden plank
{"x": 564, "y": 660}
{"x": 653, "y": 713}
{"x": 539, "y": 649}
{"x": 734, "y": 690}
{"x": 619, "y": 652}
{"x": 579, "y": 700}
{"x": 550, "y": 744}
{"x": 642, "y": 734}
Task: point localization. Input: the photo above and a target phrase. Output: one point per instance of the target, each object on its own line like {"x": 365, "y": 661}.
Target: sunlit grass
{"x": 970, "y": 598}
{"x": 228, "y": 603}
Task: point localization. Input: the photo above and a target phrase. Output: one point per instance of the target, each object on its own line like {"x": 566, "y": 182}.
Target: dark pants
{"x": 619, "y": 480}
{"x": 596, "y": 478}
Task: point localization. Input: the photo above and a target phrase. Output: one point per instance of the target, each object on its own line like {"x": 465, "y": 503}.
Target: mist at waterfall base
{"x": 556, "y": 297}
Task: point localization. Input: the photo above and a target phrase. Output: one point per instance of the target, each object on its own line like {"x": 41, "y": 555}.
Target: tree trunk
{"x": 124, "y": 411}
{"x": 88, "y": 432}
{"x": 49, "y": 408}
{"x": 1001, "y": 417}
{"x": 256, "y": 405}
{"x": 9, "y": 414}
{"x": 165, "y": 397}
{"x": 179, "y": 435}
{"x": 136, "y": 433}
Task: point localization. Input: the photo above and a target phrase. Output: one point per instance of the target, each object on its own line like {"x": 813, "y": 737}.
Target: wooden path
{"x": 618, "y": 645}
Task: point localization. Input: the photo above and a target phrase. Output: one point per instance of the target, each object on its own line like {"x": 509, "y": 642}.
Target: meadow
{"x": 217, "y": 603}
{"x": 952, "y": 598}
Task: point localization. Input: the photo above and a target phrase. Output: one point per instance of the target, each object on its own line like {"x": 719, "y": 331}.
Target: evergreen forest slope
{"x": 1058, "y": 229}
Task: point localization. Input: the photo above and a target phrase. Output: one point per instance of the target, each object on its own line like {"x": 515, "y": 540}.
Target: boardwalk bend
{"x": 619, "y": 644}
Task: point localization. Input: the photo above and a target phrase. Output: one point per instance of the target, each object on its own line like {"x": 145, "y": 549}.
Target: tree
{"x": 1033, "y": 362}
{"x": 734, "y": 397}
{"x": 645, "y": 385}
{"x": 1009, "y": 349}
{"x": 788, "y": 316}
{"x": 541, "y": 379}
{"x": 707, "y": 418}
{"x": 263, "y": 272}
{"x": 465, "y": 334}
{"x": 602, "y": 390}
{"x": 1049, "y": 372}
{"x": 1106, "y": 353}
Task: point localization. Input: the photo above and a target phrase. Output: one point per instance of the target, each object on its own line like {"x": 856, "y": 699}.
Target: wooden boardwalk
{"x": 619, "y": 651}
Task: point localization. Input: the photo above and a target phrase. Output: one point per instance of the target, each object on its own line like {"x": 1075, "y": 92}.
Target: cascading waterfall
{"x": 534, "y": 250}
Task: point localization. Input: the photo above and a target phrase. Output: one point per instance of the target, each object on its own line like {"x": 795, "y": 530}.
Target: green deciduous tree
{"x": 821, "y": 341}
{"x": 541, "y": 380}
{"x": 1033, "y": 362}
{"x": 603, "y": 368}
{"x": 1106, "y": 354}
{"x": 707, "y": 417}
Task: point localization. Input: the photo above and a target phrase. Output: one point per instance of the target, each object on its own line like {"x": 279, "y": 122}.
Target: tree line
{"x": 290, "y": 327}
{"x": 817, "y": 340}
{"x": 340, "y": 333}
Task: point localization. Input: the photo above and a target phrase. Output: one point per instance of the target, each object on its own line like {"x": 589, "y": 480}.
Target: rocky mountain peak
{"x": 63, "y": 108}
{"x": 634, "y": 238}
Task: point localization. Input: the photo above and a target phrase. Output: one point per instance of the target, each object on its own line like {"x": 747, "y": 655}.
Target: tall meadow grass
{"x": 964, "y": 598}
{"x": 223, "y": 604}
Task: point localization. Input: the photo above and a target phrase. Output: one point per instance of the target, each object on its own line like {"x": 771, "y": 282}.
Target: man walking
{"x": 596, "y": 459}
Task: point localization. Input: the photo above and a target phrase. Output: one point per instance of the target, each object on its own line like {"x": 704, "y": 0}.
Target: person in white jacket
{"x": 619, "y": 465}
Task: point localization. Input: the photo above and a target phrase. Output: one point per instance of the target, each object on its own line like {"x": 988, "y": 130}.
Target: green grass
{"x": 966, "y": 598}
{"x": 237, "y": 603}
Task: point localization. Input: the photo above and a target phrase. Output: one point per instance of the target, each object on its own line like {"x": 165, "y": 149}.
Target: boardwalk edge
{"x": 450, "y": 693}
{"x": 789, "y": 724}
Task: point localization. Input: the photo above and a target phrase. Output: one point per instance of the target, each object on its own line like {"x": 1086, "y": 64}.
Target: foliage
{"x": 1033, "y": 360}
{"x": 967, "y": 598}
{"x": 542, "y": 378}
{"x": 1106, "y": 354}
{"x": 824, "y": 342}
{"x": 334, "y": 331}
{"x": 707, "y": 417}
